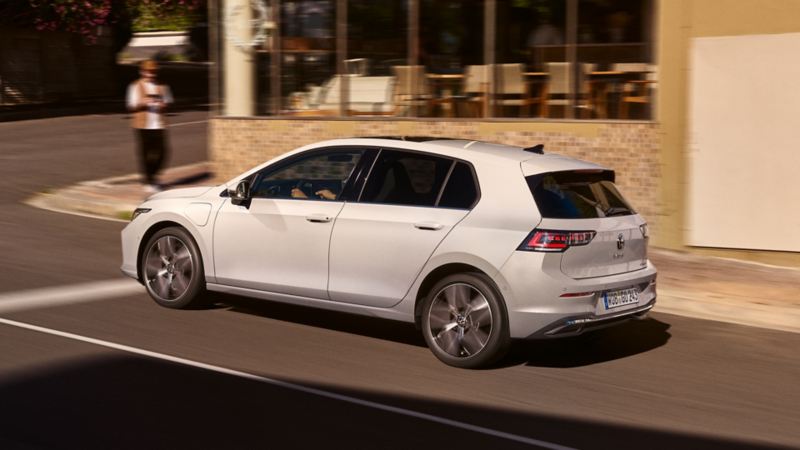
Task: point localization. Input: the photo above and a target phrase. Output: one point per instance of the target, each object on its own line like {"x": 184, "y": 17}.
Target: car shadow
{"x": 621, "y": 341}
{"x": 391, "y": 330}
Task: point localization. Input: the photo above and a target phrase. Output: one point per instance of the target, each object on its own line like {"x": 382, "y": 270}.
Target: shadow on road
{"x": 621, "y": 341}
{"x": 124, "y": 401}
{"x": 392, "y": 330}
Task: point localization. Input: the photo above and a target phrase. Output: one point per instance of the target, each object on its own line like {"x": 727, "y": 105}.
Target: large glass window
{"x": 585, "y": 59}
{"x": 531, "y": 35}
{"x": 377, "y": 44}
{"x": 615, "y": 72}
{"x": 450, "y": 76}
{"x": 551, "y": 59}
{"x": 309, "y": 85}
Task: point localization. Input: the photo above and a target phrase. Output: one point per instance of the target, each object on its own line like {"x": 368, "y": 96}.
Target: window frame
{"x": 311, "y": 153}
{"x": 453, "y": 161}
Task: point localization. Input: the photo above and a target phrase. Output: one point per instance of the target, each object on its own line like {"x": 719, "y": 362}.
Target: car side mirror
{"x": 241, "y": 195}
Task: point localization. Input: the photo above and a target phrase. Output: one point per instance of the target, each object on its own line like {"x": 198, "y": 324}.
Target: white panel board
{"x": 744, "y": 142}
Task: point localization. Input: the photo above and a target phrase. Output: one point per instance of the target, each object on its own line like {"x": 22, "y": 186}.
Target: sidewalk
{"x": 689, "y": 285}
{"x": 116, "y": 198}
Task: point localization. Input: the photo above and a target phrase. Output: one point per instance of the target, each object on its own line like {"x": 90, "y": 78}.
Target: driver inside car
{"x": 324, "y": 194}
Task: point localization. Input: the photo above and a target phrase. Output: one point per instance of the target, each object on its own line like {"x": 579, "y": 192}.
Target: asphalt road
{"x": 120, "y": 372}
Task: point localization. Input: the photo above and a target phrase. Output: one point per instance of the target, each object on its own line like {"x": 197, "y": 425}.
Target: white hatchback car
{"x": 476, "y": 243}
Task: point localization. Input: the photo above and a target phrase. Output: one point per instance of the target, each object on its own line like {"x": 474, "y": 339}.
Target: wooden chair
{"x": 636, "y": 91}
{"x": 560, "y": 90}
{"x": 559, "y": 87}
{"x": 476, "y": 90}
{"x": 587, "y": 95}
{"x": 411, "y": 90}
{"x": 512, "y": 90}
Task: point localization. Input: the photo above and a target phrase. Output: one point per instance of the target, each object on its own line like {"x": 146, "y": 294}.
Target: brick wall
{"x": 631, "y": 149}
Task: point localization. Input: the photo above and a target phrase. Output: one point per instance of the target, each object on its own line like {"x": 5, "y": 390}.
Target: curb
{"x": 80, "y": 199}
{"x": 47, "y": 203}
{"x": 694, "y": 305}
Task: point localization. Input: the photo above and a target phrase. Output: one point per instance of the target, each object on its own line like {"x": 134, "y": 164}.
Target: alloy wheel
{"x": 460, "y": 320}
{"x": 168, "y": 268}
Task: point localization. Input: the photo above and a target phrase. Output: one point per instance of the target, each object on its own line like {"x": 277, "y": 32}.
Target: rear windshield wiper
{"x": 617, "y": 211}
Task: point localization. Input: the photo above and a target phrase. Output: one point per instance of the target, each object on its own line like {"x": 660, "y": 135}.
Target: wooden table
{"x": 444, "y": 86}
{"x": 600, "y": 82}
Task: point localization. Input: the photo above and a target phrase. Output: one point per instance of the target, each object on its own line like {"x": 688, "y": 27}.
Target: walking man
{"x": 148, "y": 100}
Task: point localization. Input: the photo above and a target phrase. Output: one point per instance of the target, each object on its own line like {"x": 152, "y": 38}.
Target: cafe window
{"x": 520, "y": 59}
{"x": 450, "y": 77}
{"x": 583, "y": 59}
{"x": 308, "y": 72}
{"x": 377, "y": 47}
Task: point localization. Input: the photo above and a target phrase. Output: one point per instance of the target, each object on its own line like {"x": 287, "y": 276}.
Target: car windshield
{"x": 578, "y": 194}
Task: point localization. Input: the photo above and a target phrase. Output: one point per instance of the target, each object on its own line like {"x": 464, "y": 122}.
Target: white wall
{"x": 744, "y": 142}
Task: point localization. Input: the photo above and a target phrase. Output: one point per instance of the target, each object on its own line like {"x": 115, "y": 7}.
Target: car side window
{"x": 321, "y": 176}
{"x": 405, "y": 178}
{"x": 461, "y": 190}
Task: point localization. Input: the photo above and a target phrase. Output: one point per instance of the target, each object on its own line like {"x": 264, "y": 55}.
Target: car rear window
{"x": 578, "y": 194}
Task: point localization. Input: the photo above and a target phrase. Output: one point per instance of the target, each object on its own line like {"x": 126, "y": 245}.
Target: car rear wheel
{"x": 464, "y": 321}
{"x": 172, "y": 270}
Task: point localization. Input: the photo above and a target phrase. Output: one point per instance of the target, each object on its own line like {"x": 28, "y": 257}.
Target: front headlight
{"x": 139, "y": 211}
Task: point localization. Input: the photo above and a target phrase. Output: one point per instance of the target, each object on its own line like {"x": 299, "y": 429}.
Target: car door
{"x": 280, "y": 242}
{"x": 380, "y": 243}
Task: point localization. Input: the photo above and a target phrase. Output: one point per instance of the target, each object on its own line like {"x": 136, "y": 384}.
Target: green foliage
{"x": 154, "y": 16}
{"x": 85, "y": 16}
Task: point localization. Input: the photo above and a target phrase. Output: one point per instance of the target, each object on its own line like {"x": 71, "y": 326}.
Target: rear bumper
{"x": 572, "y": 326}
{"x": 542, "y": 302}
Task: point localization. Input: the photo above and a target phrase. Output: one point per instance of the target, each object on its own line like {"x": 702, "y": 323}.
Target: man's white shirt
{"x": 154, "y": 120}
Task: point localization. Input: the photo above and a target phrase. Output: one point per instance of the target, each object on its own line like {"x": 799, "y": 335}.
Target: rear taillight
{"x": 555, "y": 241}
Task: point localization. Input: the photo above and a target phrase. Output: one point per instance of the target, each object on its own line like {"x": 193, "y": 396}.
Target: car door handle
{"x": 319, "y": 218}
{"x": 431, "y": 226}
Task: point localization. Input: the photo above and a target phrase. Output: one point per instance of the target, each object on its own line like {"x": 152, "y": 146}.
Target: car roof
{"x": 471, "y": 150}
{"x": 474, "y": 151}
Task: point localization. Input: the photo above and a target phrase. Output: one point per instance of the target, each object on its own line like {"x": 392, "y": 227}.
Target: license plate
{"x": 615, "y": 299}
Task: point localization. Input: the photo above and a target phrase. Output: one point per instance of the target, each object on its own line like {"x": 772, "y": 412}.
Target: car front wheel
{"x": 172, "y": 269}
{"x": 464, "y": 321}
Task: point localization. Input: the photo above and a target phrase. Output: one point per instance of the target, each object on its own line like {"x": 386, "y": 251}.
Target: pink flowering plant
{"x": 85, "y": 16}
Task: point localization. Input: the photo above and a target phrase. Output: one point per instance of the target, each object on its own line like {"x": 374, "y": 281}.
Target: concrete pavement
{"x": 688, "y": 285}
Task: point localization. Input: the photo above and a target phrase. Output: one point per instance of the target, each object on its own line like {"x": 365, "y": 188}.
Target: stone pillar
{"x": 239, "y": 63}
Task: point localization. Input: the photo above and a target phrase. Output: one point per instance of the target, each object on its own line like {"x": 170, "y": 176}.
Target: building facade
{"x": 649, "y": 88}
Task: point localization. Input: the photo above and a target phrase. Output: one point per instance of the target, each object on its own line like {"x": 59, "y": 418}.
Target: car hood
{"x": 181, "y": 193}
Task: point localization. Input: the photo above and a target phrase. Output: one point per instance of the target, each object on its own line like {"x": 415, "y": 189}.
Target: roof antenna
{"x": 538, "y": 149}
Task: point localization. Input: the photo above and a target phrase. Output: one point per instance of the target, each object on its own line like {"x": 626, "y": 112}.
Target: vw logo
{"x": 620, "y": 242}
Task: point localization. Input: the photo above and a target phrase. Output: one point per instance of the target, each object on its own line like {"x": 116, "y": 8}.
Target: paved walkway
{"x": 688, "y": 284}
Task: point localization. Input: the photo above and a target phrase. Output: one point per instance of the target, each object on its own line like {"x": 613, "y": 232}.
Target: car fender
{"x": 408, "y": 304}
{"x": 202, "y": 234}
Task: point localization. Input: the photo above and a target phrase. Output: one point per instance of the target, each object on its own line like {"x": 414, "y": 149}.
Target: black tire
{"x": 171, "y": 268}
{"x": 458, "y": 348}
